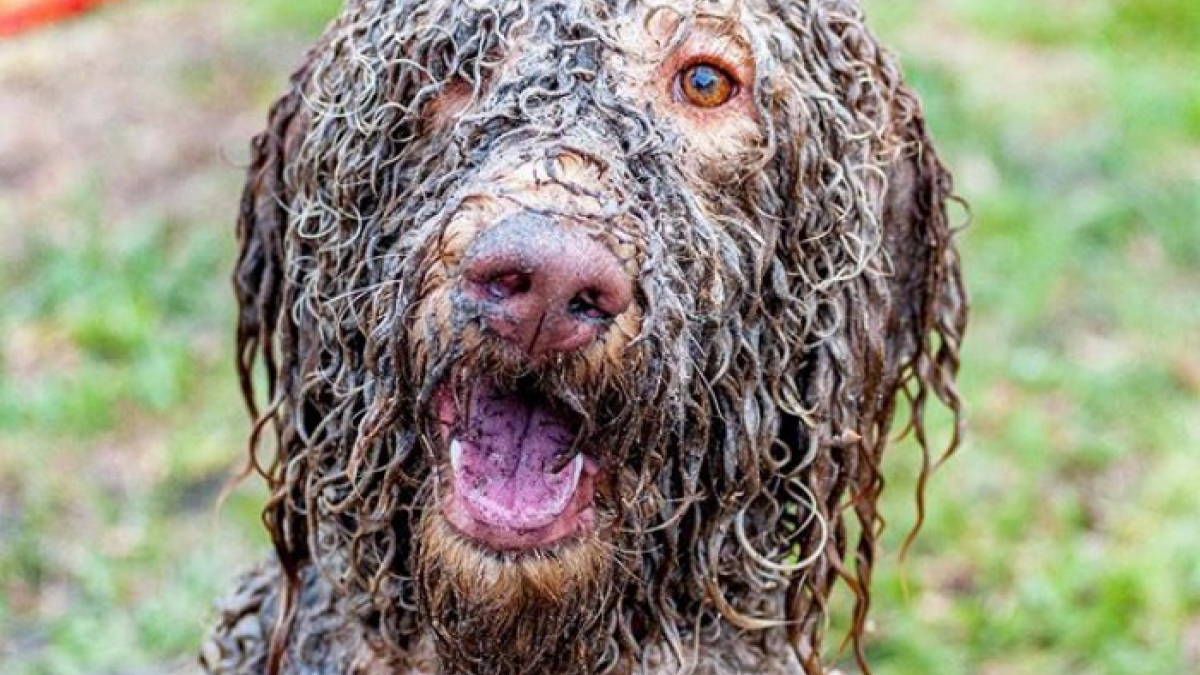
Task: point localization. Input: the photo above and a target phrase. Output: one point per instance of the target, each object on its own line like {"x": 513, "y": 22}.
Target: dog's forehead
{"x": 651, "y": 29}
{"x": 636, "y": 27}
{"x": 538, "y": 63}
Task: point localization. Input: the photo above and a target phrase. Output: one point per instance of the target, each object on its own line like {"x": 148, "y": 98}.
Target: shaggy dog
{"x": 582, "y": 326}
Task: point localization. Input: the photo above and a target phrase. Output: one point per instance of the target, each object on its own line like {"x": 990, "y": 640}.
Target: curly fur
{"x": 786, "y": 305}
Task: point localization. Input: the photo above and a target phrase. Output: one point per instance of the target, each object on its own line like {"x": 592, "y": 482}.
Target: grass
{"x": 1061, "y": 539}
{"x": 116, "y": 427}
{"x": 119, "y": 419}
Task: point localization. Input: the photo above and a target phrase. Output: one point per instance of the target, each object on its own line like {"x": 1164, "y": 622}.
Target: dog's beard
{"x": 534, "y": 614}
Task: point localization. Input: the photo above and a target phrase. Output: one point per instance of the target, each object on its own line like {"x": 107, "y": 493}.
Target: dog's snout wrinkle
{"x": 545, "y": 287}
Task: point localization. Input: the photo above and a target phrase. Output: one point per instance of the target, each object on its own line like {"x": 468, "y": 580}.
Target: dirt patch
{"x": 139, "y": 111}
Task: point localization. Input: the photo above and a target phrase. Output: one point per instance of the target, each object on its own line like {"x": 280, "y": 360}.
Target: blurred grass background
{"x": 1063, "y": 539}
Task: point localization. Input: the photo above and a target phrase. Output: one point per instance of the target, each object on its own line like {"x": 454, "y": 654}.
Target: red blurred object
{"x": 20, "y": 16}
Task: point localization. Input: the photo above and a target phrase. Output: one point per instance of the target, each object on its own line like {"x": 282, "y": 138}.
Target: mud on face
{"x": 590, "y": 318}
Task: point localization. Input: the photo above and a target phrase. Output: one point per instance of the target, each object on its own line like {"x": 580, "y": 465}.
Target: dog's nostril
{"x": 504, "y": 286}
{"x": 587, "y": 306}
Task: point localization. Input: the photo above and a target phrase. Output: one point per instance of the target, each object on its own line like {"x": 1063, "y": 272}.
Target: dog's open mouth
{"x": 513, "y": 483}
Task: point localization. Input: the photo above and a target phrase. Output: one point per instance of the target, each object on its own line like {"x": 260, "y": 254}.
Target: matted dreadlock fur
{"x": 784, "y": 299}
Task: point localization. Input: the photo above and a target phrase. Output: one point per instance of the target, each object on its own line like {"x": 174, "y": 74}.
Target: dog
{"x": 574, "y": 333}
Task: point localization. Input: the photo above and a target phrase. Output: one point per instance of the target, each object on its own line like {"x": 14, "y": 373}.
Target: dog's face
{"x": 583, "y": 320}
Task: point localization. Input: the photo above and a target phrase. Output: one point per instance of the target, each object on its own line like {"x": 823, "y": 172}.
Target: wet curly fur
{"x": 785, "y": 299}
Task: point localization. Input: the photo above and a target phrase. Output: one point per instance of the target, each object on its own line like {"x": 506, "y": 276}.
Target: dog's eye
{"x": 706, "y": 85}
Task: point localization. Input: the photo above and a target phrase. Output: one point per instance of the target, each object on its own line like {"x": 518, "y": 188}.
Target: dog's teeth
{"x": 456, "y": 451}
{"x": 576, "y": 468}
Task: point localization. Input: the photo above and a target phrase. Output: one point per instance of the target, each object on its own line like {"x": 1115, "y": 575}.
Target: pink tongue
{"x": 504, "y": 461}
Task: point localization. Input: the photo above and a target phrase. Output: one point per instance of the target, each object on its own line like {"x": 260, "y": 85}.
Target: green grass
{"x": 306, "y": 17}
{"x": 1061, "y": 540}
{"x": 117, "y": 425}
{"x": 120, "y": 418}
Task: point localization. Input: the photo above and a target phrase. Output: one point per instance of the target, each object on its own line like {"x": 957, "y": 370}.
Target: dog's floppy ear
{"x": 876, "y": 307}
{"x": 261, "y": 228}
{"x": 929, "y": 304}
{"x": 260, "y": 285}
{"x": 904, "y": 345}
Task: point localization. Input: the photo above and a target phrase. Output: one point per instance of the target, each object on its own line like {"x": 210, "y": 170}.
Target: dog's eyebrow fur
{"x": 786, "y": 305}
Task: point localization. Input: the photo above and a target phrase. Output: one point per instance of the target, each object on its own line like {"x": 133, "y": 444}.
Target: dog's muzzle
{"x": 545, "y": 288}
{"x": 539, "y": 290}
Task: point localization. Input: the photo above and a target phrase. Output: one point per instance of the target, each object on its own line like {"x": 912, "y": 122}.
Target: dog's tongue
{"x": 505, "y": 457}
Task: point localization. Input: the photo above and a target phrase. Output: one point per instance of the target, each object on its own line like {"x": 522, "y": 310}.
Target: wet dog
{"x": 582, "y": 327}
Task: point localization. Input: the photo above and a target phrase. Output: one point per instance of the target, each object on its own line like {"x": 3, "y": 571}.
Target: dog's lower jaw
{"x": 495, "y": 613}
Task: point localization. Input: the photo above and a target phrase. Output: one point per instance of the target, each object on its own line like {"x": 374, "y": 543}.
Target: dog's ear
{"x": 929, "y": 304}
{"x": 260, "y": 285}
{"x": 261, "y": 227}
{"x": 872, "y": 309}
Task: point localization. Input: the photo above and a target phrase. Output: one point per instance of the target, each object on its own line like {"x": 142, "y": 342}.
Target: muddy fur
{"x": 787, "y": 299}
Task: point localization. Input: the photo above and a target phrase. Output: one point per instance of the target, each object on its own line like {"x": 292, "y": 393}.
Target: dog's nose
{"x": 544, "y": 287}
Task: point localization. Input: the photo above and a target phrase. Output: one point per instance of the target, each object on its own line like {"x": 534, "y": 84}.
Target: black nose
{"x": 544, "y": 287}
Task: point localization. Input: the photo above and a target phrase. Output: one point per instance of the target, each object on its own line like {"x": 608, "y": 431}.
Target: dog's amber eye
{"x": 706, "y": 85}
